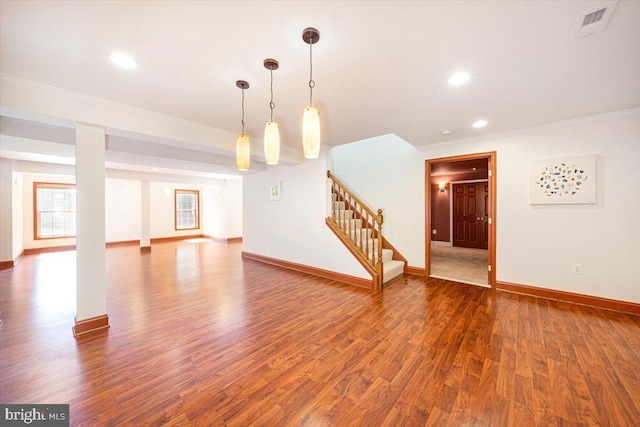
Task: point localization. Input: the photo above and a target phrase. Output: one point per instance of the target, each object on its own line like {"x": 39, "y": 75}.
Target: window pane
{"x": 186, "y": 212}
{"x": 46, "y": 224}
{"x": 55, "y": 209}
{"x": 70, "y": 223}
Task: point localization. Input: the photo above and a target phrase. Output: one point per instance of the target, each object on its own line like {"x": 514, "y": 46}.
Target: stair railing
{"x": 358, "y": 226}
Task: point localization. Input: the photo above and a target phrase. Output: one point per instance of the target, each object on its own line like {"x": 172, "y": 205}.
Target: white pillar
{"x": 6, "y": 216}
{"x": 90, "y": 229}
{"x": 6, "y": 213}
{"x": 145, "y": 218}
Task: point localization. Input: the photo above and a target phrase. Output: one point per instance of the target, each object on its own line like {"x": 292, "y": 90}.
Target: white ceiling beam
{"x": 28, "y": 100}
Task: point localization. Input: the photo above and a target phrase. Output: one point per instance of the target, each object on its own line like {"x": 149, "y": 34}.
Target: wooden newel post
{"x": 379, "y": 266}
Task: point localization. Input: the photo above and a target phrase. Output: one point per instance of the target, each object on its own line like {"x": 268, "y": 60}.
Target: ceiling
{"x": 380, "y": 66}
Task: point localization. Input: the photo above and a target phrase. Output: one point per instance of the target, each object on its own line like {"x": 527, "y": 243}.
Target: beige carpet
{"x": 459, "y": 264}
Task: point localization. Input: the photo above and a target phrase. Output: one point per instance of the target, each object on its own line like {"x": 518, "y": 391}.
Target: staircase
{"x": 391, "y": 268}
{"x": 360, "y": 229}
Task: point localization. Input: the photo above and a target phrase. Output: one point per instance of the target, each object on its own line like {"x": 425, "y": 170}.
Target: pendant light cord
{"x": 242, "y": 121}
{"x": 272, "y": 105}
{"x": 312, "y": 84}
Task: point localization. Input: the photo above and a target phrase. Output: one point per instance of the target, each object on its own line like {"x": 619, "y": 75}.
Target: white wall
{"x": 536, "y": 245}
{"x": 163, "y": 211}
{"x": 122, "y": 215}
{"x": 293, "y": 228}
{"x": 27, "y": 212}
{"x": 6, "y": 213}
{"x": 122, "y": 210}
{"x": 18, "y": 218}
{"x": 234, "y": 207}
{"x": 213, "y": 205}
{"x": 220, "y": 205}
{"x": 387, "y": 173}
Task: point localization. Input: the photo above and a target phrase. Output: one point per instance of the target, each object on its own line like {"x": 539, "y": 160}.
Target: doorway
{"x": 469, "y": 214}
{"x": 465, "y": 235}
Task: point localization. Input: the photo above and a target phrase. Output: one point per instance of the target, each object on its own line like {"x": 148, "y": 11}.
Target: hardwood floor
{"x": 201, "y": 337}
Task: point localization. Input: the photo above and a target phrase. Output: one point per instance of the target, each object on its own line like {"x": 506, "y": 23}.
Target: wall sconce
{"x": 442, "y": 186}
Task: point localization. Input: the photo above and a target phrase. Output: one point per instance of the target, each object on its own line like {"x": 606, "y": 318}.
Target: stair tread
{"x": 392, "y": 269}
{"x": 393, "y": 263}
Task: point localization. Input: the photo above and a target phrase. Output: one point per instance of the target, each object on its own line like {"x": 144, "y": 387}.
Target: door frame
{"x": 491, "y": 157}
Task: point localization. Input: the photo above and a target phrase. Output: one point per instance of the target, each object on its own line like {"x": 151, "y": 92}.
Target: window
{"x": 187, "y": 204}
{"x": 54, "y": 210}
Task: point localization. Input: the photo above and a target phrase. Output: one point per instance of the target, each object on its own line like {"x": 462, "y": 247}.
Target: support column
{"x": 145, "y": 218}
{"x": 6, "y": 214}
{"x": 90, "y": 230}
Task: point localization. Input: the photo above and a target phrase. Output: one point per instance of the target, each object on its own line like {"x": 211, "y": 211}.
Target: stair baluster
{"x": 358, "y": 226}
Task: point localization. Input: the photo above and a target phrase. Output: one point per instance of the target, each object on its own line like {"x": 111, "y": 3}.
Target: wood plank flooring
{"x": 201, "y": 337}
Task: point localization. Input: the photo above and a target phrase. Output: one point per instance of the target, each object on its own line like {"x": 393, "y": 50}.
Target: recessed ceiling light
{"x": 123, "y": 60}
{"x": 447, "y": 132}
{"x": 480, "y": 123}
{"x": 155, "y": 169}
{"x": 459, "y": 78}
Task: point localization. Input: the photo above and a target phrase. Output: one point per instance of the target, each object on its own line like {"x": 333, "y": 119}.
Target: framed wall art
{"x": 565, "y": 180}
{"x": 275, "y": 191}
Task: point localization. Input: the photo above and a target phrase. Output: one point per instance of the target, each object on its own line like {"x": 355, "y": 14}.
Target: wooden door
{"x": 470, "y": 215}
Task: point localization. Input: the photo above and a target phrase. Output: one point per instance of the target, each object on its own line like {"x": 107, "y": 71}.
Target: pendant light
{"x": 311, "y": 117}
{"x": 243, "y": 148}
{"x": 271, "y": 130}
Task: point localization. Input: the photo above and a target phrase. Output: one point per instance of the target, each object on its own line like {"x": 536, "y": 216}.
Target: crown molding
{"x": 613, "y": 115}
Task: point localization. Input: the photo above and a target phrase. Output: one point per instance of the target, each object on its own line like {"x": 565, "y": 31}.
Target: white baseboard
{"x": 437, "y": 243}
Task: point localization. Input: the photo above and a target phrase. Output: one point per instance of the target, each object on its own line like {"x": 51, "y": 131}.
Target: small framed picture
{"x": 275, "y": 191}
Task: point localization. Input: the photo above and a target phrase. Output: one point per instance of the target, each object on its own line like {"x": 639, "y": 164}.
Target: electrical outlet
{"x": 576, "y": 268}
{"x": 434, "y": 231}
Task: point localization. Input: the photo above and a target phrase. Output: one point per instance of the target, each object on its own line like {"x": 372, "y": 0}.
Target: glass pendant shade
{"x": 311, "y": 133}
{"x": 271, "y": 143}
{"x": 243, "y": 152}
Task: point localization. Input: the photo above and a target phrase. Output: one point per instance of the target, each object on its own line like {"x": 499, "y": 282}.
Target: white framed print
{"x": 565, "y": 180}
{"x": 275, "y": 191}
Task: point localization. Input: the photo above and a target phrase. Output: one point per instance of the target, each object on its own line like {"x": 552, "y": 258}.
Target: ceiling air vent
{"x": 593, "y": 21}
{"x": 593, "y": 17}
